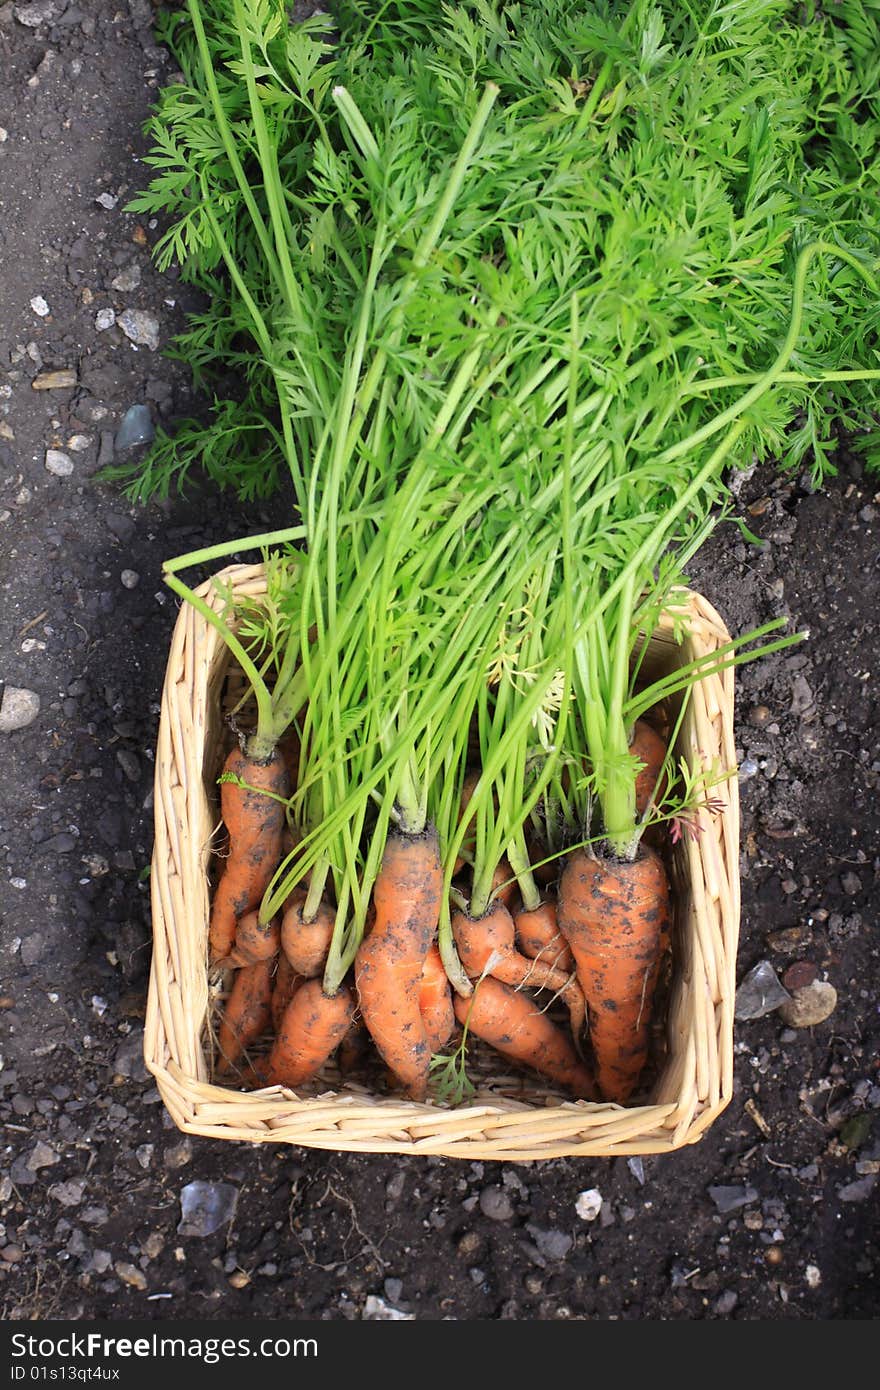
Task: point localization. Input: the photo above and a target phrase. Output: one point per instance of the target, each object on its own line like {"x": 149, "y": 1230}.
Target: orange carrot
{"x": 389, "y": 961}
{"x": 287, "y": 982}
{"x": 247, "y": 1014}
{"x": 614, "y": 914}
{"x": 647, "y": 745}
{"x": 353, "y": 1047}
{"x": 254, "y": 940}
{"x": 488, "y": 944}
{"x": 254, "y": 823}
{"x": 313, "y": 1025}
{"x": 435, "y": 1000}
{"x": 504, "y": 885}
{"x": 514, "y": 1024}
{"x": 538, "y": 936}
{"x": 306, "y": 942}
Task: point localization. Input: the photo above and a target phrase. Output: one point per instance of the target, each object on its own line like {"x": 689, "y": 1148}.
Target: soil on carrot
{"x": 772, "y": 1215}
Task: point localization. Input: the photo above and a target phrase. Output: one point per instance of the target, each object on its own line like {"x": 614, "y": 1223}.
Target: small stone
{"x": 726, "y": 1302}
{"x": 79, "y": 443}
{"x": 41, "y": 1156}
{"x": 141, "y": 327}
{"x": 552, "y": 1245}
{"x": 101, "y": 1261}
{"x": 851, "y": 883}
{"x": 129, "y": 1059}
{"x": 731, "y": 1197}
{"x": 129, "y": 579}
{"x": 588, "y": 1204}
{"x": 812, "y": 1276}
{"x": 759, "y": 715}
{"x": 748, "y": 768}
{"x": 38, "y": 12}
{"x": 809, "y": 1005}
{"x": 55, "y": 381}
{"x": 18, "y": 708}
{"x": 130, "y": 764}
{"x": 801, "y": 973}
{"x": 205, "y": 1207}
{"x": 789, "y": 939}
{"x": 179, "y": 1154}
{"x": 376, "y": 1309}
{"x": 104, "y": 319}
{"x": 136, "y": 427}
{"x": 859, "y": 1190}
{"x": 70, "y": 1193}
{"x": 468, "y": 1246}
{"x": 40, "y": 307}
{"x": 131, "y": 1275}
{"x": 58, "y": 463}
{"x": 238, "y": 1279}
{"x": 759, "y": 993}
{"x": 127, "y": 279}
{"x": 153, "y": 1245}
{"x": 144, "y": 1154}
{"x": 11, "y": 1254}
{"x": 495, "y": 1204}
{"x": 107, "y": 200}
{"x": 802, "y": 698}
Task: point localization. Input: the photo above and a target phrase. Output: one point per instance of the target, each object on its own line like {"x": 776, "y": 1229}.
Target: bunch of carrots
{"x": 510, "y": 290}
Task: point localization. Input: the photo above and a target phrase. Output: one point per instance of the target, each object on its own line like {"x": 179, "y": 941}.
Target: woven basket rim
{"x": 696, "y": 1084}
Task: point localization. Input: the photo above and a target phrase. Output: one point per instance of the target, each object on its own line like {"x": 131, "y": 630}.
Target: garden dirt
{"x": 772, "y": 1216}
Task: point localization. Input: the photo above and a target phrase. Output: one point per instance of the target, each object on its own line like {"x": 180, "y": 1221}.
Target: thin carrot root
{"x": 254, "y": 940}
{"x": 390, "y": 960}
{"x": 313, "y": 1026}
{"x": 306, "y": 942}
{"x": 435, "y": 1001}
{"x": 255, "y": 824}
{"x": 614, "y": 915}
{"x": 247, "y": 1014}
{"x": 515, "y": 1025}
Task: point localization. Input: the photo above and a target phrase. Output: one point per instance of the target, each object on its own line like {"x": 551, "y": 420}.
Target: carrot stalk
{"x": 390, "y": 960}
{"x": 255, "y": 824}
{"x": 614, "y": 915}
{"x": 313, "y": 1025}
{"x": 515, "y": 1025}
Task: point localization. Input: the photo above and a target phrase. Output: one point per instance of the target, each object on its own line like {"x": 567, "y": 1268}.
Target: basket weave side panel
{"x": 696, "y": 1081}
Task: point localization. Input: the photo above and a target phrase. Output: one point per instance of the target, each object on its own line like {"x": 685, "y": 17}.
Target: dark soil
{"x": 92, "y": 1165}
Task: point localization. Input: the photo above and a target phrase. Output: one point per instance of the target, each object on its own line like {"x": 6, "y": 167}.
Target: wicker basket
{"x": 510, "y": 1117}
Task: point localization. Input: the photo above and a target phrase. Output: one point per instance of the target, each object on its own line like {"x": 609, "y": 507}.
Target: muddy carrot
{"x": 390, "y": 960}
{"x": 313, "y": 1026}
{"x": 247, "y": 1014}
{"x": 515, "y": 1025}
{"x": 647, "y": 745}
{"x": 538, "y": 936}
{"x": 487, "y": 944}
{"x": 435, "y": 1001}
{"x": 254, "y": 824}
{"x": 287, "y": 981}
{"x": 306, "y": 940}
{"x": 614, "y": 915}
{"x": 254, "y": 940}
